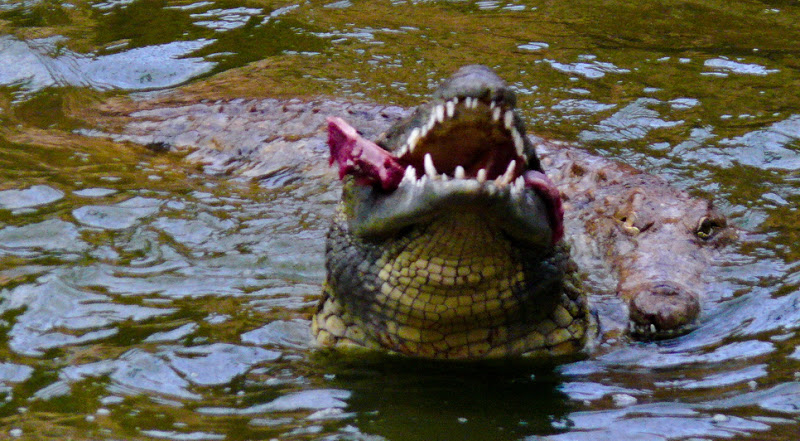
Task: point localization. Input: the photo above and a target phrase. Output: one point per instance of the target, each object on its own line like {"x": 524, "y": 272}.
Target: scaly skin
{"x": 673, "y": 240}
{"x": 454, "y": 289}
{"x": 657, "y": 241}
{"x": 468, "y": 266}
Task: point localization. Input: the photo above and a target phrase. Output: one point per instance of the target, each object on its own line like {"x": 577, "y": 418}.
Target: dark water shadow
{"x": 413, "y": 399}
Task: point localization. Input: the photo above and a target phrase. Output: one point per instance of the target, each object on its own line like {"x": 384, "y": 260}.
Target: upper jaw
{"x": 519, "y": 208}
{"x": 463, "y": 136}
{"x": 460, "y": 152}
{"x": 462, "y": 131}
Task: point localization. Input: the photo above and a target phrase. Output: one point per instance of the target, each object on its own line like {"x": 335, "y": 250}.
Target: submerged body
{"x": 658, "y": 262}
{"x": 659, "y": 243}
{"x": 467, "y": 260}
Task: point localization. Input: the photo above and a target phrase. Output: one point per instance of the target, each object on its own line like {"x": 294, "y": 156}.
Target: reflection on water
{"x": 142, "y": 298}
{"x": 38, "y": 64}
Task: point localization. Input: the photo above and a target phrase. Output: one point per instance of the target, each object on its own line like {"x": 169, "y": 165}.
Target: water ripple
{"x": 31, "y": 65}
{"x": 57, "y": 314}
{"x": 30, "y": 197}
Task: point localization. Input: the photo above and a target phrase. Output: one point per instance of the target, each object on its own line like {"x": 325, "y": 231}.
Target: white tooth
{"x": 411, "y": 173}
{"x": 451, "y": 109}
{"x": 509, "y": 119}
{"x": 482, "y": 175}
{"x": 460, "y": 174}
{"x": 652, "y": 328}
{"x": 491, "y": 105}
{"x": 519, "y": 144}
{"x": 509, "y": 174}
{"x": 474, "y": 103}
{"x": 455, "y": 100}
{"x": 496, "y": 114}
{"x": 440, "y": 113}
{"x": 444, "y": 177}
{"x": 421, "y": 181}
{"x": 519, "y": 184}
{"x": 412, "y": 139}
{"x": 430, "y": 170}
{"x": 430, "y": 125}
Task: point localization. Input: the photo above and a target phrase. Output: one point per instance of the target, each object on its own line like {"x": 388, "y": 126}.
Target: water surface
{"x": 146, "y": 296}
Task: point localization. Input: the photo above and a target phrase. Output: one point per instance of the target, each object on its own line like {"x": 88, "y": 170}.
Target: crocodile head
{"x": 464, "y": 150}
{"x": 447, "y": 243}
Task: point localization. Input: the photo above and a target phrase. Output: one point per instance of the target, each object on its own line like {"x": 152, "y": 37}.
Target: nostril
{"x": 646, "y": 226}
{"x": 664, "y": 307}
{"x": 665, "y": 290}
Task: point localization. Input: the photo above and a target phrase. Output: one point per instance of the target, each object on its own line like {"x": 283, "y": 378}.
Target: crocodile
{"x": 647, "y": 253}
{"x": 449, "y": 242}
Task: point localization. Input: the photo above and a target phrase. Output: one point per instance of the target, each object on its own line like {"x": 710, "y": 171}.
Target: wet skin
{"x": 469, "y": 148}
{"x": 673, "y": 239}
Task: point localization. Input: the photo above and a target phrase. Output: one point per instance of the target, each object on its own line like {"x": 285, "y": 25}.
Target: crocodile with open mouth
{"x": 448, "y": 242}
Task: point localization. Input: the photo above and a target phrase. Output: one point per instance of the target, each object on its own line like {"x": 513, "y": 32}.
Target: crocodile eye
{"x": 708, "y": 227}
{"x": 626, "y": 223}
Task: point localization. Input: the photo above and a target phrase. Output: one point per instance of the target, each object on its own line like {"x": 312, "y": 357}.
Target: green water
{"x": 144, "y": 297}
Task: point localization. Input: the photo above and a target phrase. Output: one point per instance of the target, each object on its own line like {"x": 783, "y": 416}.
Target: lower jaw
{"x": 522, "y": 216}
{"x": 648, "y": 331}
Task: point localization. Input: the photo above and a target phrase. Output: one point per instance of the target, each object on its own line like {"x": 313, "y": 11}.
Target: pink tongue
{"x": 370, "y": 164}
{"x": 366, "y": 161}
{"x": 545, "y": 188}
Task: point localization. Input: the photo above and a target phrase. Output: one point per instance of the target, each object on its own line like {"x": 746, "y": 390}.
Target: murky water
{"x": 152, "y": 295}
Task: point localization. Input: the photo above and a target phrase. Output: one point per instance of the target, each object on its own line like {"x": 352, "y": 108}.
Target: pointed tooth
{"x": 440, "y": 113}
{"x": 460, "y": 173}
{"x": 519, "y": 144}
{"x": 509, "y": 174}
{"x": 430, "y": 125}
{"x": 431, "y": 121}
{"x": 496, "y": 114}
{"x": 509, "y": 119}
{"x": 412, "y": 139}
{"x": 451, "y": 109}
{"x": 492, "y": 105}
{"x": 411, "y": 173}
{"x": 444, "y": 177}
{"x": 430, "y": 170}
{"x": 482, "y": 175}
{"x": 519, "y": 184}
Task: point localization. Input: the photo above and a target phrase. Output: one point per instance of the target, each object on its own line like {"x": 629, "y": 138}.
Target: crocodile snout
{"x": 662, "y": 310}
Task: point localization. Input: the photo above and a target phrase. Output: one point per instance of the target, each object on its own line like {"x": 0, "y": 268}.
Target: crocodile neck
{"x": 456, "y": 287}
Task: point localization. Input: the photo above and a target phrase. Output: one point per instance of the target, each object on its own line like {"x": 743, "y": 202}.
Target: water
{"x": 151, "y": 295}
